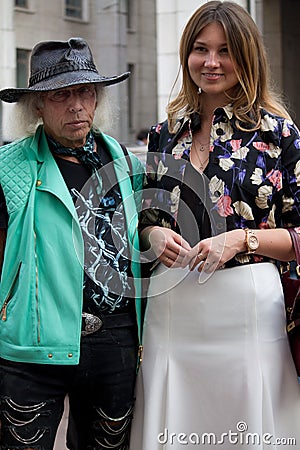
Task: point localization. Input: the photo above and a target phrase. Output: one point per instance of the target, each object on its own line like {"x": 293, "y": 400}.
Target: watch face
{"x": 252, "y": 242}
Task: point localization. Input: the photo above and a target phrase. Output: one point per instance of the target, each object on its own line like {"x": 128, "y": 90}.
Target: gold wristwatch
{"x": 251, "y": 241}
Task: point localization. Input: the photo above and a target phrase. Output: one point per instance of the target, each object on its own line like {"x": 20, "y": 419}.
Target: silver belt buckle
{"x": 91, "y": 324}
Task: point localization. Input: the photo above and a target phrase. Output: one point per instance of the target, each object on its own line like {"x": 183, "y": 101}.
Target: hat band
{"x": 69, "y": 66}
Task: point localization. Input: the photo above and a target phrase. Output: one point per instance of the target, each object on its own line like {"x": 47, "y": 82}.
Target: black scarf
{"x": 85, "y": 154}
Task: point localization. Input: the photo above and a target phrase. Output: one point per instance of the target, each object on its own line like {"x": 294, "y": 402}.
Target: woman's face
{"x": 210, "y": 65}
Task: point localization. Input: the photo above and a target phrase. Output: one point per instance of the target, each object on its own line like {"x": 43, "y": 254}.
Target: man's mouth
{"x": 77, "y": 123}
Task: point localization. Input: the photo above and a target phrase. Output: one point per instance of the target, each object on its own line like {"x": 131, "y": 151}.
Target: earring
{"x": 199, "y": 90}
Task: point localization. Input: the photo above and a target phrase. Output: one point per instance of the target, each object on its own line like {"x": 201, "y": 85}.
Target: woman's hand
{"x": 212, "y": 253}
{"x": 168, "y": 247}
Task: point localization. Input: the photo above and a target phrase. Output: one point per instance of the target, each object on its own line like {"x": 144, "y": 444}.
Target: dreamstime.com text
{"x": 239, "y": 437}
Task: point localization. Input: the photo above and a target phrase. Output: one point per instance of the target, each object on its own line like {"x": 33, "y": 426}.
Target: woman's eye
{"x": 224, "y": 50}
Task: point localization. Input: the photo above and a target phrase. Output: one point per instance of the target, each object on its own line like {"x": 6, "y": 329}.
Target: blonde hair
{"x": 247, "y": 51}
{"x": 26, "y": 118}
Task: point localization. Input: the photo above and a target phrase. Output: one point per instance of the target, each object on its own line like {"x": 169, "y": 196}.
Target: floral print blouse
{"x": 252, "y": 178}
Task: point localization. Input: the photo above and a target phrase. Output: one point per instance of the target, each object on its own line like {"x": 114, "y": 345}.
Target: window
{"x": 21, "y": 3}
{"x": 131, "y": 15}
{"x": 22, "y": 67}
{"x": 130, "y": 93}
{"x": 73, "y": 8}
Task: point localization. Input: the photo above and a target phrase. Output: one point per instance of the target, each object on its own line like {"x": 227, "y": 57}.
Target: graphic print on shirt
{"x": 107, "y": 280}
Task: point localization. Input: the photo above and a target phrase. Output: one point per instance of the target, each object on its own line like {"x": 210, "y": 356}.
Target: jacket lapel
{"x": 128, "y": 196}
{"x": 123, "y": 176}
{"x": 49, "y": 177}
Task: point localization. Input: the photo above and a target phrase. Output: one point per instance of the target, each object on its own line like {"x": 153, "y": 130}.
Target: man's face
{"x": 68, "y": 113}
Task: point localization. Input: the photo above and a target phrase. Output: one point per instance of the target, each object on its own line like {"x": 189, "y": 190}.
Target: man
{"x": 70, "y": 304}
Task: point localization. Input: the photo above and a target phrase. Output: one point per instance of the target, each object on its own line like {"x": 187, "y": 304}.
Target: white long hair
{"x": 25, "y": 118}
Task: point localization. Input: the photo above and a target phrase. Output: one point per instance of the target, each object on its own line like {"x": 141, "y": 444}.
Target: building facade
{"x": 141, "y": 36}
{"x": 121, "y": 34}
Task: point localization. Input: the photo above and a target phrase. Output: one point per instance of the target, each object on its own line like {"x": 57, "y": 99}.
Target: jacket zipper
{"x": 8, "y": 297}
{"x": 37, "y": 291}
{"x": 140, "y": 355}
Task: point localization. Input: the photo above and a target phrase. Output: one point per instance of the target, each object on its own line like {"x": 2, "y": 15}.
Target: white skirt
{"x": 217, "y": 369}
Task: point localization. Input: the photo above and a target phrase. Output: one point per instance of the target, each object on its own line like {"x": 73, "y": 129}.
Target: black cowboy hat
{"x": 59, "y": 64}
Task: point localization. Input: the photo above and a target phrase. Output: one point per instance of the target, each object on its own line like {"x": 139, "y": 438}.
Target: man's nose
{"x": 74, "y": 101}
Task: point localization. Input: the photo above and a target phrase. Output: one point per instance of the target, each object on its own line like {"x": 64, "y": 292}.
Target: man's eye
{"x": 60, "y": 95}
{"x": 86, "y": 92}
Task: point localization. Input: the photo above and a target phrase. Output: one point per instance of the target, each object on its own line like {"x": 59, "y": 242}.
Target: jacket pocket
{"x": 3, "y": 311}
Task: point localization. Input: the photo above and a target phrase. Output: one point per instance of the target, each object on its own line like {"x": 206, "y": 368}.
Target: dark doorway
{"x": 290, "y": 16}
{"x": 281, "y": 32}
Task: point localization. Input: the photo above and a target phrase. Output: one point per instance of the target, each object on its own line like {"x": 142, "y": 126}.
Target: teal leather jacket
{"x": 42, "y": 276}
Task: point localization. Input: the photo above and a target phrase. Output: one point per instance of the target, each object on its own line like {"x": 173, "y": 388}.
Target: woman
{"x": 224, "y": 173}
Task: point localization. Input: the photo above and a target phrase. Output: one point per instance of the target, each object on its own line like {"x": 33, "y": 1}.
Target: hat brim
{"x": 12, "y": 95}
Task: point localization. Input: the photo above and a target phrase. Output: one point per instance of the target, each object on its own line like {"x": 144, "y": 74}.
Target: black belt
{"x": 91, "y": 323}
